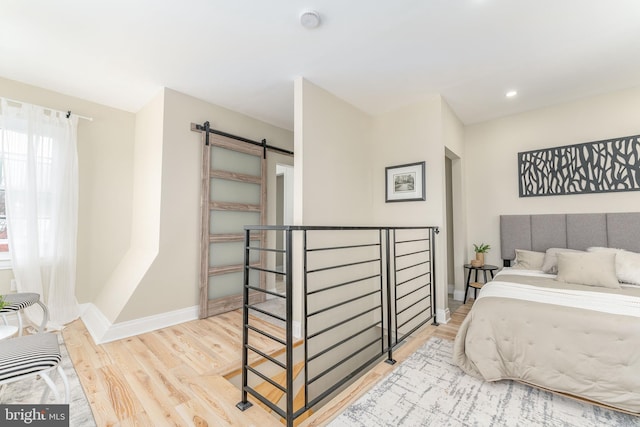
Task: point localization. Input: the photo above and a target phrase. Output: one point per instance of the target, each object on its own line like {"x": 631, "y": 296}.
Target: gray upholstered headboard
{"x": 574, "y": 231}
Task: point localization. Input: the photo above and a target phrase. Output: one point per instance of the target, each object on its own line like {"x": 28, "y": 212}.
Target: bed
{"x": 569, "y": 328}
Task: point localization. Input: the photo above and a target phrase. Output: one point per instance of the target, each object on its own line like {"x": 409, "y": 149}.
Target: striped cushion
{"x": 15, "y": 302}
{"x": 28, "y": 355}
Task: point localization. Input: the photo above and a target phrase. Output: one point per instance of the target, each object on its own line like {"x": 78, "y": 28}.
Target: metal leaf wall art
{"x": 592, "y": 167}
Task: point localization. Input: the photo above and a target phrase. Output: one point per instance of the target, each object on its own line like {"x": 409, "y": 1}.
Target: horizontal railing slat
{"x": 331, "y": 368}
{"x": 342, "y": 341}
{"x": 369, "y": 303}
{"x": 331, "y": 307}
{"x": 335, "y": 325}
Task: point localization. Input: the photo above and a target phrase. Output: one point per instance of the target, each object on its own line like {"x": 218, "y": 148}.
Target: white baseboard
{"x": 103, "y": 331}
{"x": 443, "y": 316}
{"x": 297, "y": 329}
{"x": 458, "y": 295}
{"x": 96, "y": 322}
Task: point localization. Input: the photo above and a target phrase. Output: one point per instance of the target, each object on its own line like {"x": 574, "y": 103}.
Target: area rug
{"x": 30, "y": 391}
{"x": 427, "y": 389}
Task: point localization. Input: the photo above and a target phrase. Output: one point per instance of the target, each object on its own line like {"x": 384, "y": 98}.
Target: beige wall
{"x": 453, "y": 138}
{"x": 332, "y": 184}
{"x": 142, "y": 172}
{"x": 145, "y": 213}
{"x": 452, "y": 130}
{"x": 341, "y": 155}
{"x": 492, "y": 173}
{"x": 332, "y": 176}
{"x": 407, "y": 135}
{"x": 171, "y": 282}
{"x": 105, "y": 148}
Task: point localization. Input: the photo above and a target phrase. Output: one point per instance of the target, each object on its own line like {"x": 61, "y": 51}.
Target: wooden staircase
{"x": 272, "y": 393}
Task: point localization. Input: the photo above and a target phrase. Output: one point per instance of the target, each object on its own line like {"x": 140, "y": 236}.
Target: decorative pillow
{"x": 588, "y": 268}
{"x": 550, "y": 264}
{"x": 627, "y": 264}
{"x": 529, "y": 260}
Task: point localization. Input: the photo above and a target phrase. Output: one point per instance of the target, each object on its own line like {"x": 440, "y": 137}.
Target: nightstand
{"x": 477, "y": 285}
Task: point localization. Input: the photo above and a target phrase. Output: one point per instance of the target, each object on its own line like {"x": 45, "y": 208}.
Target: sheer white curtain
{"x": 40, "y": 170}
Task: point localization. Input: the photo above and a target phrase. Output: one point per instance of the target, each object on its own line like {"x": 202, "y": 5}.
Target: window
{"x": 16, "y": 152}
{"x": 39, "y": 173}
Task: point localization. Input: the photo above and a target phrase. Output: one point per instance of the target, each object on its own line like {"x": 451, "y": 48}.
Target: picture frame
{"x": 405, "y": 183}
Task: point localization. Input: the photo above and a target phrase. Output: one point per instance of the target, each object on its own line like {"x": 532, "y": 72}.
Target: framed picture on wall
{"x": 405, "y": 183}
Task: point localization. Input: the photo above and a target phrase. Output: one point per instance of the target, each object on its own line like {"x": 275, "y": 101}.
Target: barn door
{"x": 233, "y": 195}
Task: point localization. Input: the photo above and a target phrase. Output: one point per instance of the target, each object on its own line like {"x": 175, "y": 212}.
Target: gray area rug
{"x": 30, "y": 391}
{"x": 427, "y": 389}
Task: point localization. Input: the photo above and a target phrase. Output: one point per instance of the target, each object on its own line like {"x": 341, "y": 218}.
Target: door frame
{"x": 210, "y": 307}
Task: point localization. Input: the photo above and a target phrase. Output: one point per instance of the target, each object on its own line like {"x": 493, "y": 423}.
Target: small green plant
{"x": 481, "y": 248}
{"x": 2, "y": 303}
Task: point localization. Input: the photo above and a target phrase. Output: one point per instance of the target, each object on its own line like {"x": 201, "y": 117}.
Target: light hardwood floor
{"x": 174, "y": 376}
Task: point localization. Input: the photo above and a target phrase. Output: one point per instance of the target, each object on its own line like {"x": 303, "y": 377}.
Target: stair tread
{"x": 272, "y": 393}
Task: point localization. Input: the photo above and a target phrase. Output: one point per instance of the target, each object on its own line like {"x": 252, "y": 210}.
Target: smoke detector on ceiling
{"x": 310, "y": 19}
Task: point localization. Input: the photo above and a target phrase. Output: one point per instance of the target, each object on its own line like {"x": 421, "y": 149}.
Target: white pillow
{"x": 529, "y": 260}
{"x": 550, "y": 264}
{"x": 627, "y": 264}
{"x": 588, "y": 268}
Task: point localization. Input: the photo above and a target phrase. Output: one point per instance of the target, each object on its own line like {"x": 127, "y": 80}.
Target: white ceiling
{"x": 378, "y": 55}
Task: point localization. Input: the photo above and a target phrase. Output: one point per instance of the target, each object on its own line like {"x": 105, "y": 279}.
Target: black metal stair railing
{"x": 363, "y": 291}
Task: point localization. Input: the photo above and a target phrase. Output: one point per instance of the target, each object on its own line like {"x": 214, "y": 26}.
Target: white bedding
{"x": 596, "y": 301}
{"x": 540, "y": 273}
{"x": 521, "y": 272}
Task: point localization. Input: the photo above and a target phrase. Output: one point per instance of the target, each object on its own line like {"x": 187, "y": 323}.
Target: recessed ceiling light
{"x": 310, "y": 19}
{"x": 511, "y": 93}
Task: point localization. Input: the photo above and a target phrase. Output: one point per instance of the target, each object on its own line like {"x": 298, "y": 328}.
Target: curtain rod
{"x": 66, "y": 113}
{"x": 205, "y": 127}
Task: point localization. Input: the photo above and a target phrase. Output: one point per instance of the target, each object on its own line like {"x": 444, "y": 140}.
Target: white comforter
{"x": 627, "y": 305}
